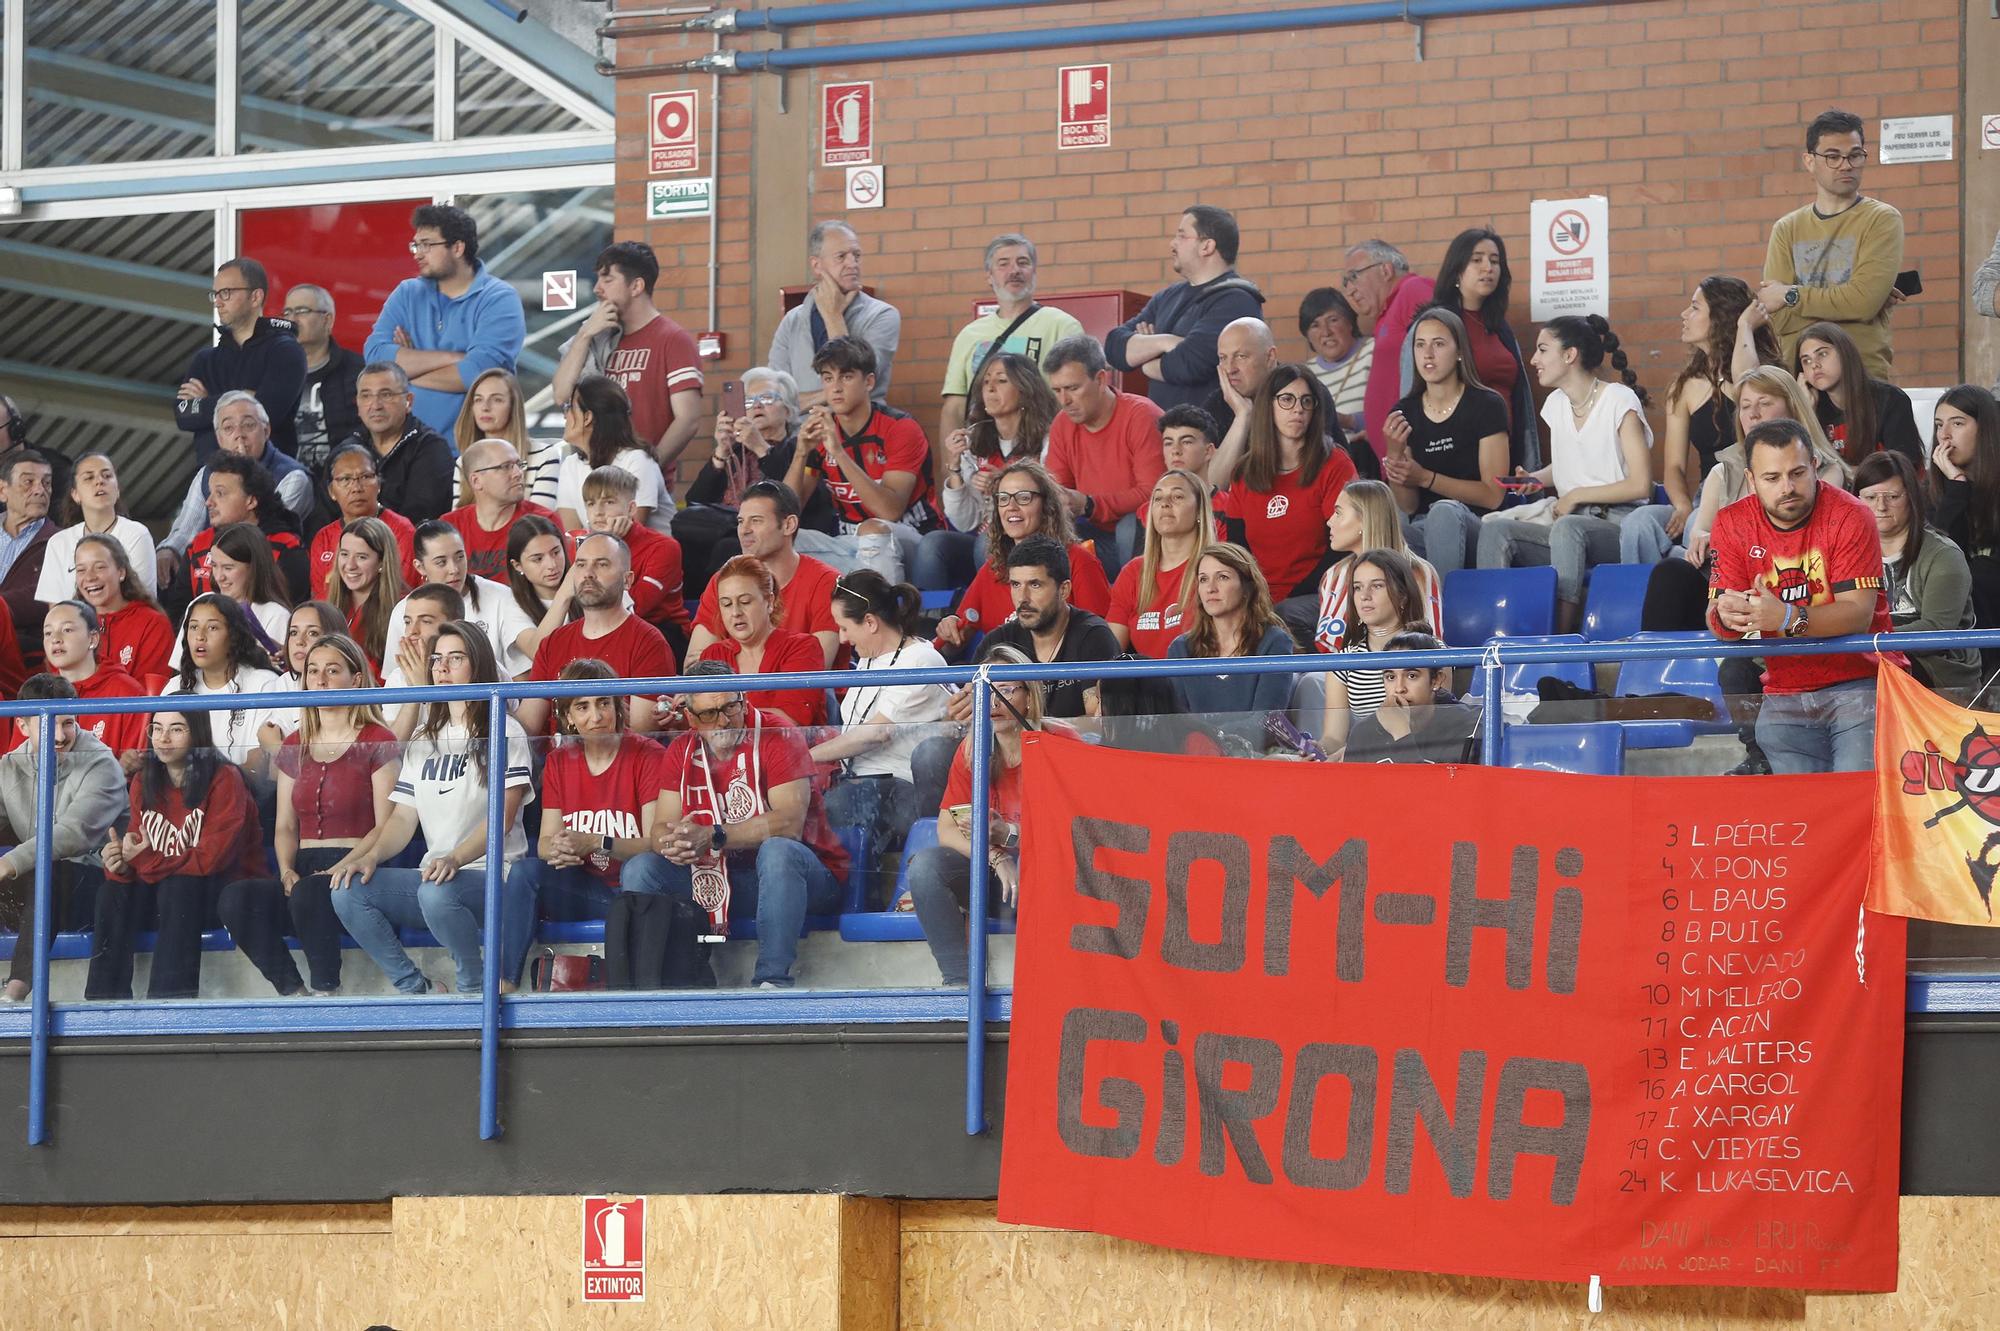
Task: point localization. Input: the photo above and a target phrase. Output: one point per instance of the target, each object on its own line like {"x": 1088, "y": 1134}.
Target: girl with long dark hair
{"x": 1860, "y": 415}
{"x": 1447, "y": 445}
{"x": 1964, "y": 480}
{"x": 1475, "y": 283}
{"x": 1387, "y": 601}
{"x": 597, "y": 427}
{"x": 1008, "y": 422}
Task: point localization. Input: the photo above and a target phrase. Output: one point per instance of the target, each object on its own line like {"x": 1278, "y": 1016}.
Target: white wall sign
{"x": 1989, "y": 132}
{"x": 680, "y": 198}
{"x": 1916, "y": 139}
{"x": 864, "y": 187}
{"x": 559, "y": 291}
{"x": 1569, "y": 257}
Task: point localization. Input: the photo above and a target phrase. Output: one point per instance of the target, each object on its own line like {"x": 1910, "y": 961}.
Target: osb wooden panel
{"x": 963, "y": 1269}
{"x": 725, "y": 1263}
{"x": 171, "y": 1282}
{"x": 870, "y": 1264}
{"x": 361, "y": 1218}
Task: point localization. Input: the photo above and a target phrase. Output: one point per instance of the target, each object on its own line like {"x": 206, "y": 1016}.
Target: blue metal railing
{"x": 1936, "y": 991}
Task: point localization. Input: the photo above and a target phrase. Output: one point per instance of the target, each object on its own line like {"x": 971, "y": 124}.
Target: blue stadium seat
{"x": 1485, "y": 603}
{"x": 1595, "y": 748}
{"x": 939, "y": 602}
{"x": 1611, "y": 607}
{"x": 1522, "y": 678}
{"x": 64, "y": 947}
{"x": 1695, "y": 676}
{"x": 901, "y": 926}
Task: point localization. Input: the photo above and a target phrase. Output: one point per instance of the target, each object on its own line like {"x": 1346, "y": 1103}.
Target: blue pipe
{"x": 1107, "y": 34}
{"x": 45, "y": 868}
{"x": 975, "y": 976}
{"x": 489, "y": 983}
{"x": 799, "y": 16}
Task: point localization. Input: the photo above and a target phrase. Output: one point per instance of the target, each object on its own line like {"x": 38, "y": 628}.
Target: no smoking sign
{"x": 864, "y": 187}
{"x": 1989, "y": 132}
{"x": 673, "y": 144}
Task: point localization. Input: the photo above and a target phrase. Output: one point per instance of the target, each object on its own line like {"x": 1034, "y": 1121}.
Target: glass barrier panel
{"x": 122, "y": 81}
{"x": 332, "y": 74}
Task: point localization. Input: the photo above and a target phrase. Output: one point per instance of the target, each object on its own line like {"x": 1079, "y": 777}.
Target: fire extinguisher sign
{"x": 847, "y": 124}
{"x": 614, "y": 1250}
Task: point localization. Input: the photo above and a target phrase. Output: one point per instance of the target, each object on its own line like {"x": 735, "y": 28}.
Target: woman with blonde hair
{"x": 1150, "y": 600}
{"x": 1232, "y": 615}
{"x": 1765, "y": 393}
{"x": 494, "y": 409}
{"x": 366, "y": 584}
{"x": 1366, "y": 518}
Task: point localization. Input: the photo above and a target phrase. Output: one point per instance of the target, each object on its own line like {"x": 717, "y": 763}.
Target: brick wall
{"x": 1687, "y": 114}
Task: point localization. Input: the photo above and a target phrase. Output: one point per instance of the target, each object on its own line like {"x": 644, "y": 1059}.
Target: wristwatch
{"x": 1791, "y": 296}
{"x": 1796, "y": 626}
{"x": 605, "y": 844}
{"x": 718, "y": 839}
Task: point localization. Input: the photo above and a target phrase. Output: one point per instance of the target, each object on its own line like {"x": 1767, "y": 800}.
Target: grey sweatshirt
{"x": 90, "y": 794}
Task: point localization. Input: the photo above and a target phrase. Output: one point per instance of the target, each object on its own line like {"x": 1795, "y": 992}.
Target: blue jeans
{"x": 1115, "y": 548}
{"x": 946, "y": 560}
{"x": 1446, "y": 534}
{"x": 1575, "y": 544}
{"x": 1827, "y": 730}
{"x": 940, "y": 889}
{"x": 779, "y": 883}
{"x": 575, "y": 893}
{"x": 454, "y": 910}
{"x": 1642, "y": 537}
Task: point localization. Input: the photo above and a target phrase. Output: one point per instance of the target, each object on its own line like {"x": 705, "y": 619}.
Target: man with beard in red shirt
{"x": 1798, "y": 558}
{"x": 608, "y": 632}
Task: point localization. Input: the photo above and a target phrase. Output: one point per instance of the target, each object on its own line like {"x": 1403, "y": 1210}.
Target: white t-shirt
{"x": 442, "y": 783}
{"x": 1589, "y": 456}
{"x": 236, "y": 732}
{"x": 59, "y": 563}
{"x": 271, "y": 617}
{"x": 909, "y": 707}
{"x": 497, "y": 612}
{"x": 652, "y": 494}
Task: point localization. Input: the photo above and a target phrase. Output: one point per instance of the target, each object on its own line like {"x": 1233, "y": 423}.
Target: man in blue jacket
{"x": 450, "y": 323}
{"x": 1172, "y": 340}
{"x": 251, "y": 353}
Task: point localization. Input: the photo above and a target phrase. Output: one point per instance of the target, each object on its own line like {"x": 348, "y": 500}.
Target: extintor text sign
{"x": 614, "y": 1250}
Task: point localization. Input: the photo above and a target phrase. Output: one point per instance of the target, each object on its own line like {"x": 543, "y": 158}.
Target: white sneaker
{"x": 766, "y": 984}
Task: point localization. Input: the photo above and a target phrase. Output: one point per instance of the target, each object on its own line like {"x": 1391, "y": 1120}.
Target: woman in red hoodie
{"x": 72, "y": 643}
{"x": 137, "y": 636}
{"x": 194, "y": 827}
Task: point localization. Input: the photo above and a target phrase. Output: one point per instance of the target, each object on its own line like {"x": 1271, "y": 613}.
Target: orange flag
{"x": 1936, "y": 842}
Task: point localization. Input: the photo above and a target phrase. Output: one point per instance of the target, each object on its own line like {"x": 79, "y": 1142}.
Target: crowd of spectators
{"x": 387, "y": 518}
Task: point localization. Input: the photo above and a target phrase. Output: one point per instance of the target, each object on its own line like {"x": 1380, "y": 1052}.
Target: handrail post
{"x": 975, "y": 980}
{"x": 489, "y": 982}
{"x": 44, "y": 894}
{"x": 1493, "y": 705}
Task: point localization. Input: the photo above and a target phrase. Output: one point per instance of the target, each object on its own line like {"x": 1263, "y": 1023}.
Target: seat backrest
{"x": 1593, "y": 748}
{"x": 1522, "y": 678}
{"x": 1617, "y": 596}
{"x": 1923, "y": 401}
{"x": 860, "y": 844}
{"x": 1695, "y": 676}
{"x": 1485, "y": 603}
{"x": 923, "y": 835}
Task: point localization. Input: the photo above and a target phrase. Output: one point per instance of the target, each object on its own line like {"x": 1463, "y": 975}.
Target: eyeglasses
{"x": 761, "y": 400}
{"x": 1016, "y": 498}
{"x": 1855, "y": 158}
{"x": 297, "y": 311}
{"x": 1349, "y": 276}
{"x": 449, "y": 659}
{"x": 215, "y": 296}
{"x": 1293, "y": 401}
{"x": 417, "y": 247}
{"x": 708, "y": 716}
{"x": 349, "y": 479}
{"x": 515, "y": 465}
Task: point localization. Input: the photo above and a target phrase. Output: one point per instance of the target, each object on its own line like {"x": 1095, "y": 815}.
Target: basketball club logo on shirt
{"x": 1278, "y": 507}
{"x": 125, "y": 657}
{"x": 1797, "y": 582}
{"x": 739, "y": 801}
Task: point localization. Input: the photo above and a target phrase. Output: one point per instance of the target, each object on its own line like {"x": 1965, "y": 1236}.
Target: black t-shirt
{"x": 1450, "y": 447}
{"x": 1086, "y": 638}
{"x": 1449, "y": 738}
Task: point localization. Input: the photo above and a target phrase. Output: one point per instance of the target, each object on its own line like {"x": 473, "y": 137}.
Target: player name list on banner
{"x": 1485, "y": 1022}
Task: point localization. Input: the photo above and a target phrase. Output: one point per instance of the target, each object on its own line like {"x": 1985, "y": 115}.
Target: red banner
{"x": 1483, "y": 1022}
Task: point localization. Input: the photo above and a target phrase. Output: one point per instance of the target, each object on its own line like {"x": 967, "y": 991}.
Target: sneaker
{"x": 768, "y": 984}
{"x": 1754, "y": 764}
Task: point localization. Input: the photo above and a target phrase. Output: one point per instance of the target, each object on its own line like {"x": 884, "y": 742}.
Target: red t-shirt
{"x": 14, "y": 667}
{"x": 656, "y": 577}
{"x": 1835, "y": 550}
{"x": 785, "y": 652}
{"x": 138, "y": 640}
{"x": 122, "y": 732}
{"x": 988, "y": 601}
{"x": 486, "y": 551}
{"x": 1156, "y": 624}
{"x": 1006, "y": 794}
{"x": 633, "y": 650}
{"x": 651, "y": 365}
{"x": 743, "y": 780}
{"x": 1115, "y": 466}
{"x": 1496, "y": 365}
{"x": 606, "y": 803}
{"x": 326, "y": 544}
{"x": 1286, "y": 528}
{"x": 890, "y": 441}
{"x": 808, "y": 599}
{"x": 336, "y": 800}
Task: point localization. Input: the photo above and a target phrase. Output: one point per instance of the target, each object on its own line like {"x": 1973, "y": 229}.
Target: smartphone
{"x": 1517, "y": 483}
{"x": 1910, "y": 282}
{"x": 732, "y": 398}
